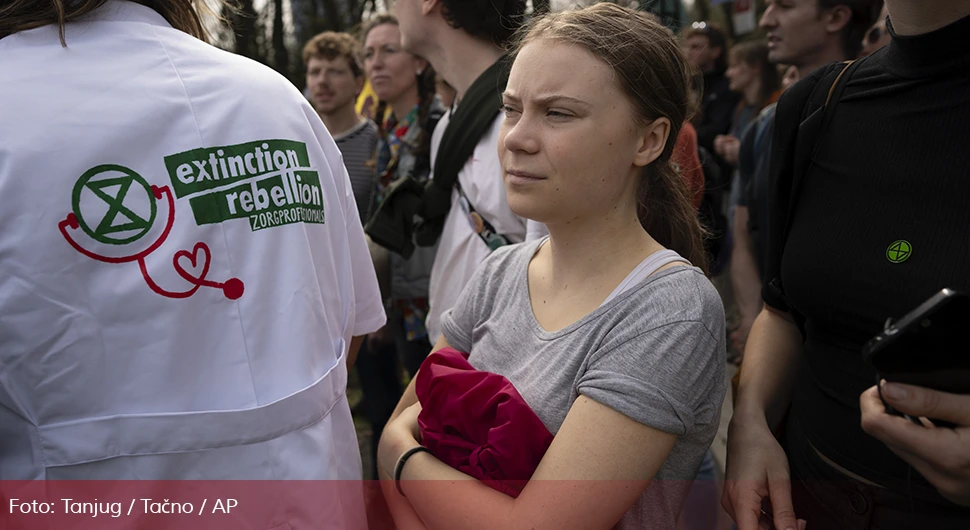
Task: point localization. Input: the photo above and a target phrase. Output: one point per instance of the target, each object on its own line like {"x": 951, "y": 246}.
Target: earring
{"x": 418, "y": 72}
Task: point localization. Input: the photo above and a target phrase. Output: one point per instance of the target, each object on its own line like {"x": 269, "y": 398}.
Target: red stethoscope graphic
{"x": 231, "y": 288}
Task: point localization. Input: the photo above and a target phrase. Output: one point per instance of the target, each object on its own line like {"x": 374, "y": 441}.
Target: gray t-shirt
{"x": 357, "y": 147}
{"x": 655, "y": 353}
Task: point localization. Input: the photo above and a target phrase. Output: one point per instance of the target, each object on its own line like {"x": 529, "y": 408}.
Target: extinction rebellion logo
{"x": 118, "y": 217}
{"x": 120, "y": 201}
{"x": 268, "y": 182}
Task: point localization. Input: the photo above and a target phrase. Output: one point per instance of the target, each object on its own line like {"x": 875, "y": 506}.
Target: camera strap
{"x": 488, "y": 234}
{"x": 467, "y": 125}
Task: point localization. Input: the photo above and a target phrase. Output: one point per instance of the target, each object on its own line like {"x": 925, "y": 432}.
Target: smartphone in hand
{"x": 928, "y": 347}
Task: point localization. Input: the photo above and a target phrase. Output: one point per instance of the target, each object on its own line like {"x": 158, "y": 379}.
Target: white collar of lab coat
{"x": 125, "y": 11}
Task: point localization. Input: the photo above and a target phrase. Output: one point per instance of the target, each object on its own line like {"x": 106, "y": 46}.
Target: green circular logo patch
{"x": 899, "y": 251}
{"x": 109, "y": 208}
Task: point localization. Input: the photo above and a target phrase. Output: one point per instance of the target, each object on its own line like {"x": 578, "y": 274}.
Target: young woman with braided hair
{"x": 386, "y": 65}
{"x": 406, "y": 114}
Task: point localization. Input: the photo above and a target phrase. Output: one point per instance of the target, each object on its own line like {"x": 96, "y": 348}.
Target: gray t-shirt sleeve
{"x": 457, "y": 323}
{"x": 661, "y": 378}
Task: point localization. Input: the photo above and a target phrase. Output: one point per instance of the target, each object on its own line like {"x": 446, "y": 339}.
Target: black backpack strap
{"x": 815, "y": 120}
{"x": 816, "y": 116}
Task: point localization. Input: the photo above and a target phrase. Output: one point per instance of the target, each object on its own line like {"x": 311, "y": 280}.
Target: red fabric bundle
{"x": 477, "y": 423}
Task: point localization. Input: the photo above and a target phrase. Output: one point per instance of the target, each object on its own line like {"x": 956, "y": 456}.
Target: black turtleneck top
{"x": 881, "y": 223}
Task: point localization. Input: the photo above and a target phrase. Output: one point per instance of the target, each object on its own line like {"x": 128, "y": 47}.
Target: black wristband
{"x": 399, "y": 467}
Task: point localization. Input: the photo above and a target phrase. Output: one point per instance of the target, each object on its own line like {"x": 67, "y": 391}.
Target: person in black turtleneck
{"x": 892, "y": 166}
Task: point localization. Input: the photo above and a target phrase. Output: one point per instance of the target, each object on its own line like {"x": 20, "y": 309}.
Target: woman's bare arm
{"x": 599, "y": 463}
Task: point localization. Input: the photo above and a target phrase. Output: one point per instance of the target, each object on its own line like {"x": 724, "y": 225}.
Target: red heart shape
{"x": 193, "y": 259}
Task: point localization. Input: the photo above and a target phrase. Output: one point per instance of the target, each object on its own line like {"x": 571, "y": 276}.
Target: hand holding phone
{"x": 940, "y": 455}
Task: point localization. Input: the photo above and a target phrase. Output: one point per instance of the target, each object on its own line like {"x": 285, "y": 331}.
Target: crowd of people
{"x": 518, "y": 240}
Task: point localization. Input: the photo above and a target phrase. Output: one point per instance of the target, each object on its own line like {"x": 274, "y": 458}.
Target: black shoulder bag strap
{"x": 816, "y": 118}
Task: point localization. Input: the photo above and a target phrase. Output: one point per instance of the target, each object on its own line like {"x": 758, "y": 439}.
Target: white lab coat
{"x": 141, "y": 341}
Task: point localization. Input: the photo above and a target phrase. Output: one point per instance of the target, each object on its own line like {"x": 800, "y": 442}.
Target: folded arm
{"x": 598, "y": 465}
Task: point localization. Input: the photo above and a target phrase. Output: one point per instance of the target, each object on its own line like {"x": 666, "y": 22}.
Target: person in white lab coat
{"x": 183, "y": 273}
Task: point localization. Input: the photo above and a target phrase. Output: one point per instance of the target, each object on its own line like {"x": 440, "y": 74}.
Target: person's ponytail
{"x": 667, "y": 214}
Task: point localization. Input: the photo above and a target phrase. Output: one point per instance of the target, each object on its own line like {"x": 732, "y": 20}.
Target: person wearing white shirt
{"x": 462, "y": 39}
{"x": 183, "y": 274}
